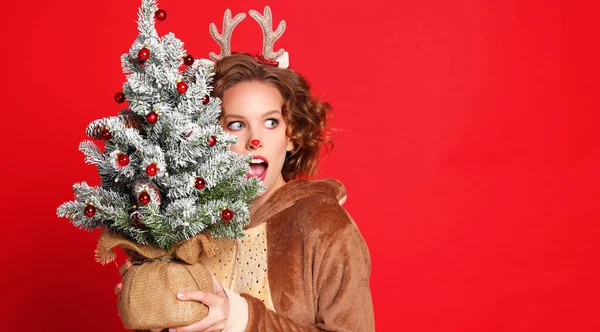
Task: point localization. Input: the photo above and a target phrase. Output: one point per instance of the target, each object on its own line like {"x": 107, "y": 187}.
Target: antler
{"x": 224, "y": 39}
{"x": 266, "y": 24}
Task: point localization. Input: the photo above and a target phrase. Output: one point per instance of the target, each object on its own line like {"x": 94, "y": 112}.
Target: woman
{"x": 302, "y": 264}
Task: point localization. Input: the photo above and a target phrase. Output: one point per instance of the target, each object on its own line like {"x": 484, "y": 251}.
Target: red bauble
{"x": 227, "y": 215}
{"x": 144, "y": 54}
{"x": 212, "y": 141}
{"x": 152, "y": 117}
{"x": 160, "y": 14}
{"x": 123, "y": 159}
{"x": 182, "y": 87}
{"x": 89, "y": 210}
{"x": 200, "y": 183}
{"x": 206, "y": 100}
{"x": 105, "y": 134}
{"x": 151, "y": 169}
{"x": 119, "y": 97}
{"x": 188, "y": 60}
{"x": 144, "y": 198}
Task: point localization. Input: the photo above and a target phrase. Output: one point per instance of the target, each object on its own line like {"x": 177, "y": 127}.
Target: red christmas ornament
{"x": 188, "y": 60}
{"x": 227, "y": 215}
{"x": 105, "y": 134}
{"x": 151, "y": 169}
{"x": 206, "y": 100}
{"x": 212, "y": 141}
{"x": 200, "y": 183}
{"x": 144, "y": 54}
{"x": 182, "y": 87}
{"x": 119, "y": 97}
{"x": 160, "y": 14}
{"x": 152, "y": 117}
{"x": 123, "y": 159}
{"x": 144, "y": 198}
{"x": 89, "y": 210}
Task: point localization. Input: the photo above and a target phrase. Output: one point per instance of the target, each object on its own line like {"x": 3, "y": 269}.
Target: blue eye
{"x": 235, "y": 125}
{"x": 271, "y": 123}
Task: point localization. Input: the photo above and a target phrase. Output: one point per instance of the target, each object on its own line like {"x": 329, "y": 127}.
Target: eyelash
{"x": 243, "y": 125}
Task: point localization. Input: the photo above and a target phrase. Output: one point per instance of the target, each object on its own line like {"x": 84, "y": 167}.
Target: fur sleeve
{"x": 343, "y": 295}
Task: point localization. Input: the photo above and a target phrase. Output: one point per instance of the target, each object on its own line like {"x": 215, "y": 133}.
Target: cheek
{"x": 280, "y": 133}
{"x": 239, "y": 147}
{"x": 282, "y": 141}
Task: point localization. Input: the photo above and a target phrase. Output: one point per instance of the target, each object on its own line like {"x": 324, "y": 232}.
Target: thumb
{"x": 217, "y": 285}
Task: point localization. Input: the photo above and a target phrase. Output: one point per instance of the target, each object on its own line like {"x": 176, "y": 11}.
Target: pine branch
{"x": 146, "y": 19}
{"x": 177, "y": 143}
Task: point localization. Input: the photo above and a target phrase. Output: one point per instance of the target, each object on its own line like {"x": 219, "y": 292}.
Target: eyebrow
{"x": 237, "y": 116}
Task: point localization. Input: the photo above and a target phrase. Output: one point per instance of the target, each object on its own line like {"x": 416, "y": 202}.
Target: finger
{"x": 123, "y": 268}
{"x": 118, "y": 288}
{"x": 205, "y": 297}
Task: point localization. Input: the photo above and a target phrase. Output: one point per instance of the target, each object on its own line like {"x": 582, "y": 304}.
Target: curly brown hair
{"x": 304, "y": 114}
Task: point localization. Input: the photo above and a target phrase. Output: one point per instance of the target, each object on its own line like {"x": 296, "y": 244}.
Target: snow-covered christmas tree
{"x": 167, "y": 173}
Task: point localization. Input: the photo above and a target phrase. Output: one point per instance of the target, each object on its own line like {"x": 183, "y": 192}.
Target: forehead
{"x": 251, "y": 98}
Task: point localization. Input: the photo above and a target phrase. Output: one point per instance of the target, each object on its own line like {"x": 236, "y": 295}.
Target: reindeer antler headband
{"x": 268, "y": 56}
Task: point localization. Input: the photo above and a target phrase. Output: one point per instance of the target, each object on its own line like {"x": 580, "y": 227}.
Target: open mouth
{"x": 258, "y": 167}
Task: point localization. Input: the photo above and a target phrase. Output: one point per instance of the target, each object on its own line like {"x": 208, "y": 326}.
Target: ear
{"x": 290, "y": 145}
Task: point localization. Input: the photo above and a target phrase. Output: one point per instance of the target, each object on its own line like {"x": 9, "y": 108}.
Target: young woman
{"x": 302, "y": 264}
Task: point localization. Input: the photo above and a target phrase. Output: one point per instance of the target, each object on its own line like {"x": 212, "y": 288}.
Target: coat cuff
{"x": 238, "y": 312}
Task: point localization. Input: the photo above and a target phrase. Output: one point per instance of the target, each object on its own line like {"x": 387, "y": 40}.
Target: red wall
{"x": 468, "y": 143}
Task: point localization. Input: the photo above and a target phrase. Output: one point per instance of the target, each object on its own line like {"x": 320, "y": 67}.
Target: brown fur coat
{"x": 318, "y": 262}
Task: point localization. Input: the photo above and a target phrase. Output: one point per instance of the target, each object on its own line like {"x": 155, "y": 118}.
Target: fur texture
{"x": 318, "y": 263}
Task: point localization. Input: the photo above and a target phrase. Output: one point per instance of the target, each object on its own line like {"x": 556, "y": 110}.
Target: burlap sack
{"x": 148, "y": 297}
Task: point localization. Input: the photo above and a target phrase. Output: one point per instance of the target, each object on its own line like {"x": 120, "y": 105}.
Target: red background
{"x": 468, "y": 143}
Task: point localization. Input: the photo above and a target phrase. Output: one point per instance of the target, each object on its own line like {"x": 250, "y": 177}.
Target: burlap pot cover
{"x": 148, "y": 297}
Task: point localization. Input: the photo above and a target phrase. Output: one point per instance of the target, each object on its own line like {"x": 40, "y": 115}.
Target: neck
{"x": 258, "y": 202}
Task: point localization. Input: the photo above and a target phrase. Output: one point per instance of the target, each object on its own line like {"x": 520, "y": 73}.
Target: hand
{"x": 122, "y": 270}
{"x": 218, "y": 309}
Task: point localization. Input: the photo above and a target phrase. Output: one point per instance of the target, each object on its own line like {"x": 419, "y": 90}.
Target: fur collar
{"x": 293, "y": 191}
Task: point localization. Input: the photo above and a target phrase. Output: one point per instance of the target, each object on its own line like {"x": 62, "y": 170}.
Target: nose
{"x": 254, "y": 144}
